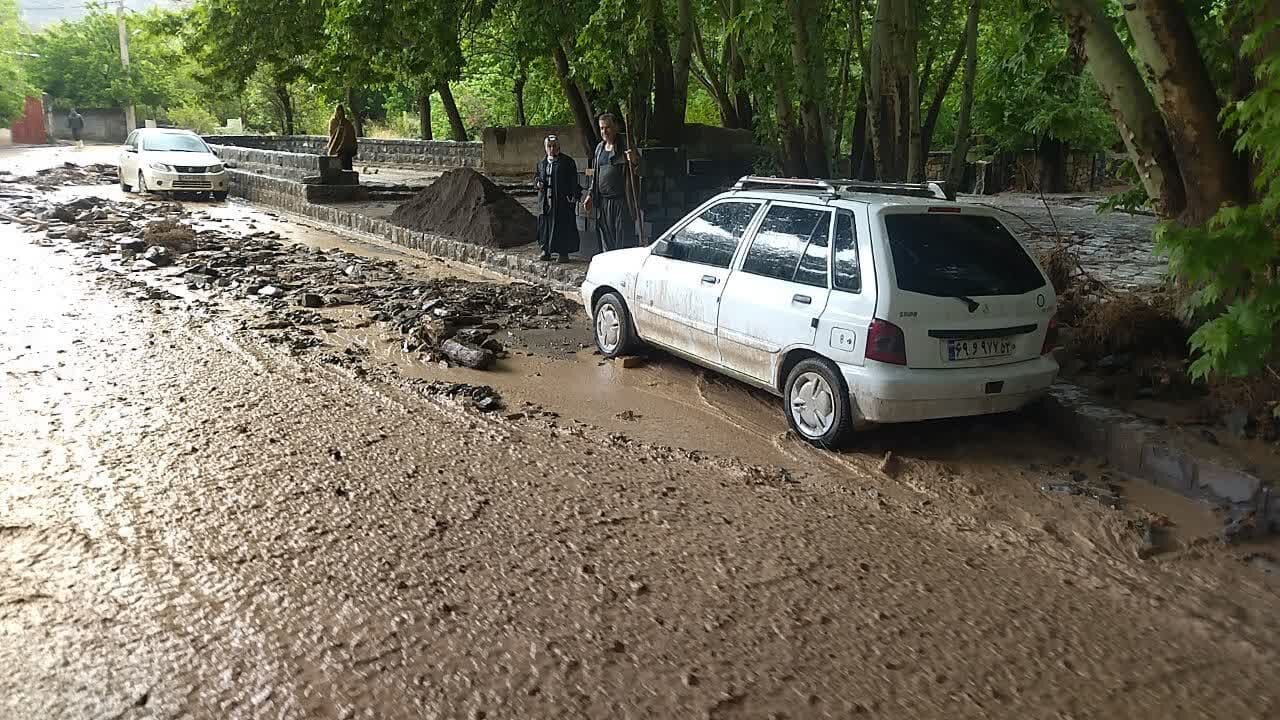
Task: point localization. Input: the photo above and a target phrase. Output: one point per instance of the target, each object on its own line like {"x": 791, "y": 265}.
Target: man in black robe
{"x": 612, "y": 164}
{"x": 556, "y": 178}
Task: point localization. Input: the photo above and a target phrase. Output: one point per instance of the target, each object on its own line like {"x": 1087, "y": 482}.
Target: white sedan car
{"x": 163, "y": 160}
{"x": 856, "y": 303}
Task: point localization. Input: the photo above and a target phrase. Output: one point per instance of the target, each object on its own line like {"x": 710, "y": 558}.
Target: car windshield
{"x": 953, "y": 255}
{"x": 174, "y": 142}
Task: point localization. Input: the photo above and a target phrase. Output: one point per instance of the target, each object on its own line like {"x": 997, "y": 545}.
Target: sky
{"x": 38, "y": 13}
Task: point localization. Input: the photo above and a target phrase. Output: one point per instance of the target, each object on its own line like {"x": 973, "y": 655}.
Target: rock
{"x": 630, "y": 361}
{"x": 1237, "y": 422}
{"x": 158, "y": 256}
{"x": 339, "y": 299}
{"x": 76, "y": 235}
{"x": 270, "y": 291}
{"x": 889, "y": 465}
{"x": 469, "y": 355}
{"x": 310, "y": 300}
{"x": 492, "y": 345}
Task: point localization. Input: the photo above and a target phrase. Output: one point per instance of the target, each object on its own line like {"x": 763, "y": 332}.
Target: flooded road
{"x": 198, "y": 522}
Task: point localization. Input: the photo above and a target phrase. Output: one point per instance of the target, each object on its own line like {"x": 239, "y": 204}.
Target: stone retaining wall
{"x": 444, "y": 154}
{"x": 289, "y": 165}
{"x": 291, "y": 197}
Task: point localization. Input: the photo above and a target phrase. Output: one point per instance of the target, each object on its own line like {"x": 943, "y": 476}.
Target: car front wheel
{"x": 141, "y": 187}
{"x": 220, "y": 195}
{"x": 613, "y": 330}
{"x": 124, "y": 186}
{"x": 817, "y": 403}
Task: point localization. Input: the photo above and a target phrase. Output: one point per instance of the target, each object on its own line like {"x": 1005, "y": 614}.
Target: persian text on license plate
{"x": 959, "y": 350}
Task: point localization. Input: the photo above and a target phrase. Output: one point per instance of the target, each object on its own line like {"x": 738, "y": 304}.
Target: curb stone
{"x": 1141, "y": 448}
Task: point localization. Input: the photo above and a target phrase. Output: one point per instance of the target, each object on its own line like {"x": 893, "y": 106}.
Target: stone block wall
{"x": 291, "y": 197}
{"x": 442, "y": 154}
{"x": 274, "y": 163}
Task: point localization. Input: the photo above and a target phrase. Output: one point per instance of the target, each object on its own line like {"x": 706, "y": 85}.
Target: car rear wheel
{"x": 817, "y": 403}
{"x": 613, "y": 330}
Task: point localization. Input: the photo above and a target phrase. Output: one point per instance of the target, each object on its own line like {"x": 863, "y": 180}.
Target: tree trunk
{"x": 424, "y": 115}
{"x": 517, "y": 89}
{"x": 736, "y": 69}
{"x": 837, "y": 126}
{"x": 1052, "y": 158}
{"x": 683, "y": 61}
{"x": 790, "y": 136}
{"x": 806, "y": 52}
{"x": 858, "y": 150}
{"x": 960, "y": 152}
{"x": 577, "y": 103}
{"x": 286, "y": 109}
{"x": 354, "y": 111}
{"x": 892, "y": 64}
{"x": 457, "y": 130}
{"x": 714, "y": 81}
{"x": 939, "y": 97}
{"x": 1212, "y": 173}
{"x": 915, "y": 153}
{"x": 1131, "y": 104}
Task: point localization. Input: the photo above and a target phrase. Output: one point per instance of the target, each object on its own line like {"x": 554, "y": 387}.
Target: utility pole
{"x": 130, "y": 121}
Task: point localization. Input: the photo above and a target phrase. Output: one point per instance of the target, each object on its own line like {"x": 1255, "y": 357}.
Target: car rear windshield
{"x": 951, "y": 255}
{"x": 173, "y": 142}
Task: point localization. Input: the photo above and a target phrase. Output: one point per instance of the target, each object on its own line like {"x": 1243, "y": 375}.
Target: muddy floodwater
{"x": 199, "y": 520}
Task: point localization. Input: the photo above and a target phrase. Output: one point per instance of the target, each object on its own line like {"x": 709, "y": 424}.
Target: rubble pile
{"x": 455, "y": 320}
{"x": 68, "y": 174}
{"x": 444, "y": 320}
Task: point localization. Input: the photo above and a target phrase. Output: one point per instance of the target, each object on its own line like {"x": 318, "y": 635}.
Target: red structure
{"x": 29, "y": 129}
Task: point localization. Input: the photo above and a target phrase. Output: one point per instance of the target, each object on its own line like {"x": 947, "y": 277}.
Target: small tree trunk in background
{"x": 1211, "y": 172}
{"x": 790, "y": 137}
{"x": 939, "y": 97}
{"x": 457, "y": 130}
{"x": 811, "y": 71}
{"x": 1052, "y": 157}
{"x": 680, "y": 68}
{"x": 915, "y": 153}
{"x": 286, "y": 109}
{"x": 577, "y": 103}
{"x": 842, "y": 96}
{"x": 424, "y": 115}
{"x": 960, "y": 153}
{"x": 355, "y": 111}
{"x": 1131, "y": 104}
{"x": 518, "y": 91}
{"x": 858, "y": 150}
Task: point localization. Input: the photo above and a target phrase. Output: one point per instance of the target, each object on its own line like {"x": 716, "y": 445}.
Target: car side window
{"x": 848, "y": 274}
{"x": 792, "y": 245}
{"x": 713, "y": 236}
{"x": 132, "y": 140}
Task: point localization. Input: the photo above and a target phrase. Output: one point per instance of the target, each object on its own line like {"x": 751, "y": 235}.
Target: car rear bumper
{"x": 889, "y": 393}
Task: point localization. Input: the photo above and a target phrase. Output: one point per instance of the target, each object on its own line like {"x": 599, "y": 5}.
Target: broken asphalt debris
{"x": 1077, "y": 483}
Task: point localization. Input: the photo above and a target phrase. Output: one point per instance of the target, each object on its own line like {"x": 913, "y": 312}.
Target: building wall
{"x": 100, "y": 125}
{"x": 406, "y": 153}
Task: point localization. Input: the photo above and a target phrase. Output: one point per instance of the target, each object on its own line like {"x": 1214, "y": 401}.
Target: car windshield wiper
{"x": 970, "y": 302}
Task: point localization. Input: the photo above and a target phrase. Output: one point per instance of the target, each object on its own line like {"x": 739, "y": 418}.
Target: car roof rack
{"x": 834, "y": 188}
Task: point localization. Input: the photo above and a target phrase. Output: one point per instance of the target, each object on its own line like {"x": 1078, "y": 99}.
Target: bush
{"x": 194, "y": 118}
{"x": 398, "y": 126}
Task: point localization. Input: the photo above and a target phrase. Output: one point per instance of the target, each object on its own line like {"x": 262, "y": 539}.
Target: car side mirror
{"x": 130, "y": 148}
{"x": 661, "y": 248}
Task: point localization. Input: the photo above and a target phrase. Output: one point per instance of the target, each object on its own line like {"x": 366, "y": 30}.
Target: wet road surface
{"x": 197, "y": 523}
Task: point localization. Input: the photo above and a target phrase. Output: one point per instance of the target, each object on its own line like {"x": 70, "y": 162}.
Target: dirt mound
{"x": 468, "y": 206}
{"x": 175, "y": 236}
{"x": 1131, "y": 324}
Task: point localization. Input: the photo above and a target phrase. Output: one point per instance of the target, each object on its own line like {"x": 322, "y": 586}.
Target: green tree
{"x": 13, "y": 78}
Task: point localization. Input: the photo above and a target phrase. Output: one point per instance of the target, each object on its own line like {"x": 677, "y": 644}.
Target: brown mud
{"x": 196, "y": 521}
{"x": 468, "y": 206}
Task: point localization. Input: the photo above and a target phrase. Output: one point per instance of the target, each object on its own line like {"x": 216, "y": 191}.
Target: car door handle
{"x": 710, "y": 279}
{"x": 802, "y": 299}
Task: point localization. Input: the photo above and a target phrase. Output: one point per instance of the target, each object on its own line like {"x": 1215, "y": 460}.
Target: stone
{"x": 470, "y": 356}
{"x": 310, "y": 300}
{"x": 158, "y": 255}
{"x": 1237, "y": 422}
{"x": 270, "y": 291}
{"x": 630, "y": 361}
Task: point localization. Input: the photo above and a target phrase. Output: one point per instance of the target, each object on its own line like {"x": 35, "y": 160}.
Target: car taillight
{"x": 1050, "y": 337}
{"x": 886, "y": 343}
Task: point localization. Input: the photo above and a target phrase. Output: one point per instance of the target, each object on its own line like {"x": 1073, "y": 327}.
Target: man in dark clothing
{"x": 342, "y": 137}
{"x": 612, "y": 164}
{"x": 556, "y": 178}
{"x": 76, "y": 122}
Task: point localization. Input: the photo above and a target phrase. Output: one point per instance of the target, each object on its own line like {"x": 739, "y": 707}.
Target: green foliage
{"x": 1030, "y": 87}
{"x": 13, "y": 78}
{"x": 194, "y": 117}
{"x": 79, "y": 62}
{"x": 1233, "y": 261}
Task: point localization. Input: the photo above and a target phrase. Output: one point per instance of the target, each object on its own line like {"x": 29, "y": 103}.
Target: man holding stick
{"x": 614, "y": 167}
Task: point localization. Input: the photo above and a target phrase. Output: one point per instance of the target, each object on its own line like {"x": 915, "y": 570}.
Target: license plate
{"x": 960, "y": 350}
{"x": 193, "y": 178}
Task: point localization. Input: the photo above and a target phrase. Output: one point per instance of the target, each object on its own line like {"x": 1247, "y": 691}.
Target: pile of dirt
{"x": 468, "y": 206}
{"x": 73, "y": 174}
{"x": 174, "y": 236}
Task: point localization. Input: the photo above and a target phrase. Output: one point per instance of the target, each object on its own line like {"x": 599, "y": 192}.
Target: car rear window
{"x": 952, "y": 254}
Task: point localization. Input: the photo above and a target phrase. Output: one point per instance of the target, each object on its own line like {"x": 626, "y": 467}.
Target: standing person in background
{"x": 342, "y": 137}
{"x": 76, "y": 122}
{"x": 556, "y": 178}
{"x": 612, "y": 163}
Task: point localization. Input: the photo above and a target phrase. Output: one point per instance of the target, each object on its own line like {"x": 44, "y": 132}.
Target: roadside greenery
{"x": 14, "y": 85}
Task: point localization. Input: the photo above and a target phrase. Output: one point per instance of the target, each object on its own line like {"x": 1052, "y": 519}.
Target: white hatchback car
{"x": 163, "y": 160}
{"x": 857, "y": 303}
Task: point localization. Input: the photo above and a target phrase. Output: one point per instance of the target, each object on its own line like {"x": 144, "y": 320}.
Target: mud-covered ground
{"x": 202, "y": 516}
